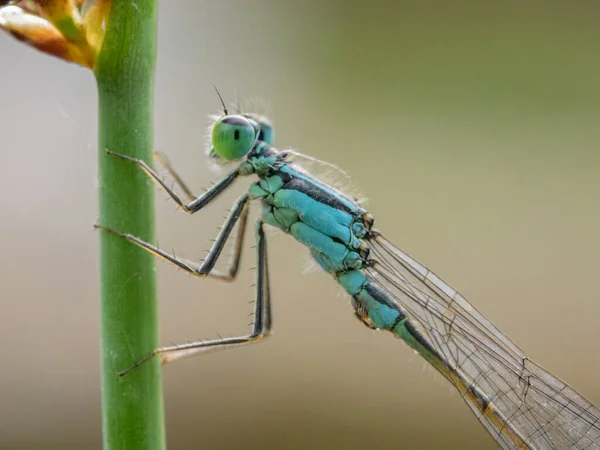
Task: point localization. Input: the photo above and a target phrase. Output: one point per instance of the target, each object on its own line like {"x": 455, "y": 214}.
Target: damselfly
{"x": 520, "y": 404}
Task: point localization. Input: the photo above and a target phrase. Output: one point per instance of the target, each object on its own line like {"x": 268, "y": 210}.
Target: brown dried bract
{"x": 72, "y": 30}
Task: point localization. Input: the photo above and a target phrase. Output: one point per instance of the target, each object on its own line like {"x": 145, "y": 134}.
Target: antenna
{"x": 222, "y": 102}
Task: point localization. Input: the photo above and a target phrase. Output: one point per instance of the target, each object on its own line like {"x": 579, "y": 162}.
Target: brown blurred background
{"x": 472, "y": 129}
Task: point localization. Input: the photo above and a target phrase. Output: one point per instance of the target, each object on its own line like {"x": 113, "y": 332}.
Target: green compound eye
{"x": 233, "y": 137}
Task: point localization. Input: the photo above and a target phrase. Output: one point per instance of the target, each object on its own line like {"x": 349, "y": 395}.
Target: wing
{"x": 328, "y": 173}
{"x": 543, "y": 409}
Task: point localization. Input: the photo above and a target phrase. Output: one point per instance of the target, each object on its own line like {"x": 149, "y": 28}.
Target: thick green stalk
{"x": 132, "y": 406}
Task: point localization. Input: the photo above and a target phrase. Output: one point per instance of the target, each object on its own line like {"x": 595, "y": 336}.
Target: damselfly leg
{"x": 164, "y": 161}
{"x": 195, "y": 205}
{"x": 238, "y": 212}
{"x": 261, "y": 326}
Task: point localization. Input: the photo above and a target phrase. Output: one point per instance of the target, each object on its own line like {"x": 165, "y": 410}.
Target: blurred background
{"x": 473, "y": 131}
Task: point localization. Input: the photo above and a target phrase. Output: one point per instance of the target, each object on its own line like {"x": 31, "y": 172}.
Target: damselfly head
{"x": 233, "y": 137}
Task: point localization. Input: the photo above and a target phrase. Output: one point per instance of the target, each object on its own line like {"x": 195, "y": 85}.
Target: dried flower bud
{"x": 70, "y": 29}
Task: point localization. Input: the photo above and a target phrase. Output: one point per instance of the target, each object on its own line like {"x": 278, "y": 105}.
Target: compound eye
{"x": 233, "y": 137}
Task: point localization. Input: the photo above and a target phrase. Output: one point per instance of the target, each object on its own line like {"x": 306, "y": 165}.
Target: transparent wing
{"x": 328, "y": 173}
{"x": 549, "y": 413}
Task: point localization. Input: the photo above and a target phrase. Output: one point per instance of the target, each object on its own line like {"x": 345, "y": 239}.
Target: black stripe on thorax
{"x": 314, "y": 191}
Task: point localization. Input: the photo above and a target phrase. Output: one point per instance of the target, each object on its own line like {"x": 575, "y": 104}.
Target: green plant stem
{"x": 132, "y": 406}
